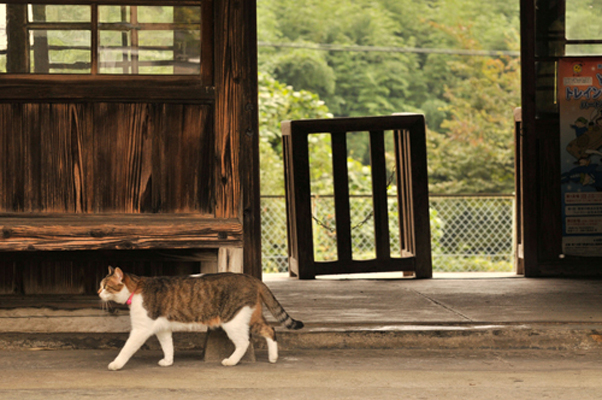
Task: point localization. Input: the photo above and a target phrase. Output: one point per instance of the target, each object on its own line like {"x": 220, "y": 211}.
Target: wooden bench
{"x": 412, "y": 194}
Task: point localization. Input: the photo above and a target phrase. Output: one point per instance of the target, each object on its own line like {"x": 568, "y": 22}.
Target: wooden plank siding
{"x": 104, "y": 176}
{"x": 106, "y": 158}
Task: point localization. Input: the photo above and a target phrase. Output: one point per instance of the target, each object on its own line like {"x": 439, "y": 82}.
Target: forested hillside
{"x": 455, "y": 61}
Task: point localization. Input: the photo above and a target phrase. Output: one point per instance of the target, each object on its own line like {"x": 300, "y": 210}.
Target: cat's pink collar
{"x": 129, "y": 302}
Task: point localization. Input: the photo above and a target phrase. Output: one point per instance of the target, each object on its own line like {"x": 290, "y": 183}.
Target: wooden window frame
{"x": 27, "y": 87}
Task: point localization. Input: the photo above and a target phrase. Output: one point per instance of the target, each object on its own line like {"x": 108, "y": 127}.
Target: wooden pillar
{"x": 236, "y": 123}
{"x": 17, "y": 52}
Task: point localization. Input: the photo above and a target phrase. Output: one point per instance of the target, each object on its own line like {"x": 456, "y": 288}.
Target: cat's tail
{"x": 277, "y": 310}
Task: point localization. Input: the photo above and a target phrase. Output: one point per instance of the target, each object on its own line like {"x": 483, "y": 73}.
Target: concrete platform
{"x": 350, "y": 374}
{"x": 371, "y": 311}
{"x": 382, "y": 337}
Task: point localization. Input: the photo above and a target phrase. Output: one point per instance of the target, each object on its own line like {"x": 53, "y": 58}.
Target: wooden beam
{"x": 107, "y": 88}
{"x": 59, "y": 232}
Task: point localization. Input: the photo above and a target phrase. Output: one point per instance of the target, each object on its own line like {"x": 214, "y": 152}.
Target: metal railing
{"x": 469, "y": 233}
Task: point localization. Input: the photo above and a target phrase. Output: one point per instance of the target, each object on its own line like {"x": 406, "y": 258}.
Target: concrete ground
{"x": 307, "y": 374}
{"x": 378, "y": 336}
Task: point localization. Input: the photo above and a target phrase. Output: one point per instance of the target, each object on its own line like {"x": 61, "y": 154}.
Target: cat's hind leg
{"x": 260, "y": 327}
{"x": 166, "y": 341}
{"x": 237, "y": 330}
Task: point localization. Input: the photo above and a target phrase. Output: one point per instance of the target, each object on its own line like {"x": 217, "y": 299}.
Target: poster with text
{"x": 580, "y": 102}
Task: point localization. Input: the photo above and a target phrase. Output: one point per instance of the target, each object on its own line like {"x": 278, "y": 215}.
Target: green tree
{"x": 279, "y": 102}
{"x": 474, "y": 154}
{"x": 439, "y": 85}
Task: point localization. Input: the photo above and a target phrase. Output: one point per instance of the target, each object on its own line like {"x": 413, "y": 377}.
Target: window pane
{"x": 66, "y": 51}
{"x": 191, "y": 15}
{"x": 151, "y": 14}
{"x": 114, "y": 52}
{"x": 58, "y": 13}
{"x": 158, "y": 40}
{"x": 108, "y": 14}
{"x": 584, "y": 49}
{"x": 156, "y": 52}
{"x": 47, "y": 39}
{"x": 188, "y": 54}
{"x": 3, "y": 41}
{"x": 583, "y": 20}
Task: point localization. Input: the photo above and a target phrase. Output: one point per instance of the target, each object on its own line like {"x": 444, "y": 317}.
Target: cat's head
{"x": 112, "y": 287}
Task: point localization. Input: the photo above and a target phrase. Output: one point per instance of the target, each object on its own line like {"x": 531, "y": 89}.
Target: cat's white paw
{"x": 272, "y": 350}
{"x": 115, "y": 366}
{"x": 165, "y": 363}
{"x": 229, "y": 363}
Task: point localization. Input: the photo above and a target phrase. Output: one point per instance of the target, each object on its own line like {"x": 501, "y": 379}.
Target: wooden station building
{"x": 129, "y": 137}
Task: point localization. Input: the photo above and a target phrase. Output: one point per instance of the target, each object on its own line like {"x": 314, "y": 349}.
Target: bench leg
{"x": 229, "y": 259}
{"x": 218, "y": 347}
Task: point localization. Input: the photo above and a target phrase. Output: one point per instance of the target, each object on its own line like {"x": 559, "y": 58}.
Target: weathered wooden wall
{"x": 99, "y": 158}
{"x": 106, "y": 157}
{"x": 144, "y": 153}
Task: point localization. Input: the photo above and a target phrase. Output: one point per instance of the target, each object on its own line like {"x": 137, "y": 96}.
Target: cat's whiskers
{"x": 106, "y": 306}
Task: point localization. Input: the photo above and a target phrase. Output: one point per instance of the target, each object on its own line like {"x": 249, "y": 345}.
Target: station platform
{"x": 356, "y": 311}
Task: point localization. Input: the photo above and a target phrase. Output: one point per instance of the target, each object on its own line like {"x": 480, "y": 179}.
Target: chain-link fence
{"x": 469, "y": 233}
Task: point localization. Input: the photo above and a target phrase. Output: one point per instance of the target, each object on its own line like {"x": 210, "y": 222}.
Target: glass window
{"x": 583, "y": 19}
{"x": 3, "y": 38}
{"x": 583, "y": 28}
{"x": 51, "y": 39}
{"x": 56, "y": 13}
{"x": 59, "y": 51}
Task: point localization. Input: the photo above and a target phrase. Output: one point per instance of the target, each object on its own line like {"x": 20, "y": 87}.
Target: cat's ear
{"x": 111, "y": 270}
{"x": 119, "y": 274}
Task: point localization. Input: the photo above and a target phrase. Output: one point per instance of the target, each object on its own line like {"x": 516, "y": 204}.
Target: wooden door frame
{"x": 538, "y": 177}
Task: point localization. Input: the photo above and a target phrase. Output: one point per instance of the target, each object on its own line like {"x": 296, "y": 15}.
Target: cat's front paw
{"x": 115, "y": 366}
{"x": 165, "y": 362}
{"x": 228, "y": 362}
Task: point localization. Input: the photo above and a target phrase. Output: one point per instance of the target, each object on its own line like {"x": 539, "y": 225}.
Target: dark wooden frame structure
{"x": 412, "y": 191}
{"x": 539, "y": 230}
{"x": 90, "y": 168}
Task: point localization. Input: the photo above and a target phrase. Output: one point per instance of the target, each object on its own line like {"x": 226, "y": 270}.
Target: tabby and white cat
{"x": 160, "y": 305}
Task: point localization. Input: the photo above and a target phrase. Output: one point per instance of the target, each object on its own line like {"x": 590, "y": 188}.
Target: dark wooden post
{"x": 380, "y": 204}
{"x": 420, "y": 198}
{"x": 41, "y": 62}
{"x": 341, "y": 196}
{"x": 17, "y": 52}
{"x": 237, "y": 126}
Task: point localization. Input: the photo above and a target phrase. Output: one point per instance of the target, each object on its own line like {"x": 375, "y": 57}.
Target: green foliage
{"x": 467, "y": 100}
{"x": 279, "y": 102}
{"x": 475, "y": 152}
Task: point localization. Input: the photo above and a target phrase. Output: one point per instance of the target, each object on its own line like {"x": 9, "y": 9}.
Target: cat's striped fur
{"x": 160, "y": 305}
